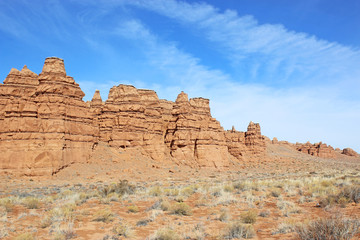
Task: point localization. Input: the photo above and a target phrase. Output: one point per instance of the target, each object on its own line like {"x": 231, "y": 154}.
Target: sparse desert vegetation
{"x": 321, "y": 206}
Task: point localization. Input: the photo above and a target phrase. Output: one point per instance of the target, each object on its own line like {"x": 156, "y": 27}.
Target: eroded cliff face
{"x": 45, "y": 125}
{"x": 193, "y": 136}
{"x": 349, "y": 152}
{"x": 132, "y": 119}
{"x": 317, "y": 149}
{"x": 320, "y": 149}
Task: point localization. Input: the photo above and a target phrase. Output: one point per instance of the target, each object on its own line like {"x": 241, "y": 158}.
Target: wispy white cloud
{"x": 35, "y": 20}
{"x": 9, "y": 24}
{"x": 317, "y": 98}
{"x": 281, "y": 55}
{"x": 292, "y": 83}
{"x": 295, "y": 114}
{"x": 181, "y": 69}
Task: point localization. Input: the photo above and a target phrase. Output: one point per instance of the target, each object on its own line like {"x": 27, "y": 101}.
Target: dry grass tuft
{"x": 103, "y": 215}
{"x": 350, "y": 192}
{"x": 249, "y": 217}
{"x": 181, "y": 209}
{"x": 335, "y": 228}
{"x": 46, "y": 222}
{"x": 7, "y": 203}
{"x": 155, "y": 191}
{"x": 228, "y": 188}
{"x": 171, "y": 192}
{"x": 264, "y": 213}
{"x": 239, "y": 230}
{"x": 66, "y": 231}
{"x": 25, "y": 236}
{"x": 165, "y": 206}
{"x": 166, "y": 234}
{"x": 122, "y": 230}
{"x": 276, "y": 192}
{"x": 133, "y": 209}
{"x": 224, "y": 215}
{"x": 121, "y": 188}
{"x": 31, "y": 202}
{"x": 285, "y": 227}
{"x": 188, "y": 191}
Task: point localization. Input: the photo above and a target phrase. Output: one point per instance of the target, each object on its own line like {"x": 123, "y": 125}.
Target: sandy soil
{"x": 281, "y": 190}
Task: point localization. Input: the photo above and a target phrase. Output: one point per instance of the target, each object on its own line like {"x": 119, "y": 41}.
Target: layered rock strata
{"x": 45, "y": 125}
{"x": 193, "y": 136}
{"x": 132, "y": 118}
{"x": 317, "y": 149}
{"x": 349, "y": 152}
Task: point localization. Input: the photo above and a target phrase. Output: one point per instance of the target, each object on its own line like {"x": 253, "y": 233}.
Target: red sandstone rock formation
{"x": 350, "y": 152}
{"x": 253, "y": 139}
{"x": 236, "y": 143}
{"x": 246, "y": 144}
{"x": 131, "y": 119}
{"x": 317, "y": 149}
{"x": 45, "y": 125}
{"x": 193, "y": 136}
{"x": 275, "y": 141}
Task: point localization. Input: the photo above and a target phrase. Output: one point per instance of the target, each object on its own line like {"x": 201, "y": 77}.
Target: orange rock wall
{"x": 317, "y": 149}
{"x": 349, "y": 152}
{"x": 45, "y": 125}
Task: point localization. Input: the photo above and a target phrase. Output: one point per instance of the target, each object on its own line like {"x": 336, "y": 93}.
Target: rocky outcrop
{"x": 236, "y": 143}
{"x": 131, "y": 119}
{"x": 317, "y": 149}
{"x": 193, "y": 136}
{"x": 349, "y": 152}
{"x": 45, "y": 125}
{"x": 246, "y": 144}
{"x": 17, "y": 113}
{"x": 253, "y": 139}
{"x": 96, "y": 101}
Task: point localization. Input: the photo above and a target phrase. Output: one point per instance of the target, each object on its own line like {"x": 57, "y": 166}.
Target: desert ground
{"x": 286, "y": 195}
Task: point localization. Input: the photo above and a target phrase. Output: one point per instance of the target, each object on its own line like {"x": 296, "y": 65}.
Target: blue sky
{"x": 292, "y": 66}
